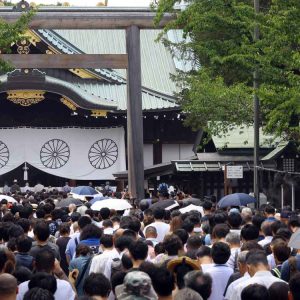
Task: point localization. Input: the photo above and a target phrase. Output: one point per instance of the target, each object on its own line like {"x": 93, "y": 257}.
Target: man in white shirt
{"x": 258, "y": 269}
{"x": 233, "y": 239}
{"x": 161, "y": 227}
{"x": 99, "y": 261}
{"x": 267, "y": 232}
{"x": 45, "y": 262}
{"x": 219, "y": 272}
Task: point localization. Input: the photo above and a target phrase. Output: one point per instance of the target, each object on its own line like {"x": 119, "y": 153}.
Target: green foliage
{"x": 12, "y": 33}
{"x": 219, "y": 41}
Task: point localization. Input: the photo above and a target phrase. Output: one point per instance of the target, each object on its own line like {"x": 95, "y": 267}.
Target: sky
{"x": 94, "y": 2}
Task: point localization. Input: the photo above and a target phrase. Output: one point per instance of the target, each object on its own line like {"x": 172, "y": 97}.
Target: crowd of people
{"x": 237, "y": 253}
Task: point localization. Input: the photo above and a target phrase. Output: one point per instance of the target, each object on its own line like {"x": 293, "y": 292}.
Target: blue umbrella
{"x": 237, "y": 199}
{"x": 84, "y": 190}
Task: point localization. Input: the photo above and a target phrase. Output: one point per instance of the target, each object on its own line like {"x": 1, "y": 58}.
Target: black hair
{"x": 24, "y": 243}
{"x": 255, "y": 292}
{"x": 138, "y": 250}
{"x": 64, "y": 228}
{"x": 207, "y": 205}
{"x": 200, "y": 283}
{"x": 104, "y": 213}
{"x": 172, "y": 244}
{"x": 256, "y": 257}
{"x": 123, "y": 242}
{"x": 279, "y": 291}
{"x": 220, "y": 218}
{"x": 234, "y": 220}
{"x": 257, "y": 220}
{"x": 220, "y": 253}
{"x": 82, "y": 250}
{"x": 117, "y": 279}
{"x": 75, "y": 216}
{"x": 57, "y": 213}
{"x": 270, "y": 210}
{"x": 194, "y": 242}
{"x": 266, "y": 228}
{"x": 25, "y": 211}
{"x": 107, "y": 240}
{"x": 15, "y": 231}
{"x": 90, "y": 231}
{"x": 44, "y": 261}
{"x": 130, "y": 233}
{"x": 41, "y": 230}
{"x": 40, "y": 213}
{"x": 204, "y": 251}
{"x": 24, "y": 223}
{"x": 83, "y": 221}
{"x": 163, "y": 282}
{"x": 249, "y": 232}
{"x": 134, "y": 224}
{"x": 38, "y": 294}
{"x": 294, "y": 285}
{"x": 126, "y": 262}
{"x": 124, "y": 222}
{"x": 180, "y": 271}
{"x": 43, "y": 280}
{"x": 22, "y": 274}
{"x": 188, "y": 225}
{"x": 159, "y": 213}
{"x": 281, "y": 251}
{"x": 220, "y": 231}
{"x": 182, "y": 234}
{"x": 294, "y": 221}
{"x": 107, "y": 223}
{"x": 159, "y": 248}
{"x": 96, "y": 285}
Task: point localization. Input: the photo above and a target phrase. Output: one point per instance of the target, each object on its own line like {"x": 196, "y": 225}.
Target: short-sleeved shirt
{"x": 50, "y": 246}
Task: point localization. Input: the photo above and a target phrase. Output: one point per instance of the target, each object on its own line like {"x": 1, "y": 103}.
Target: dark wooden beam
{"x": 67, "y": 61}
{"x": 86, "y": 19}
{"x": 135, "y": 139}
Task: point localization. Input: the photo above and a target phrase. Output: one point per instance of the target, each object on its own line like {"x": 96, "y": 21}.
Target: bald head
{"x": 8, "y": 287}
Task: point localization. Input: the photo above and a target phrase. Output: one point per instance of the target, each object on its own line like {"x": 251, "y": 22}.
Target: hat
{"x": 172, "y": 264}
{"x": 137, "y": 286}
{"x": 295, "y": 240}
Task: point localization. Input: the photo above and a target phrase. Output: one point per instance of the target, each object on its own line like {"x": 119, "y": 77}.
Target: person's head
{"x": 117, "y": 279}
{"x": 138, "y": 251}
{"x": 175, "y": 223}
{"x": 22, "y": 274}
{"x": 194, "y": 242}
{"x": 255, "y": 292}
{"x": 182, "y": 234}
{"x": 8, "y": 287}
{"x": 24, "y": 243}
{"x": 266, "y": 228}
{"x": 123, "y": 242}
{"x": 188, "y": 225}
{"x": 233, "y": 239}
{"x": 172, "y": 244}
{"x": 97, "y": 285}
{"x": 90, "y": 231}
{"x": 279, "y": 291}
{"x": 199, "y": 282}
{"x": 107, "y": 224}
{"x": 44, "y": 261}
{"x": 187, "y": 294}
{"x": 294, "y": 223}
{"x": 134, "y": 225}
{"x": 43, "y": 280}
{"x": 257, "y": 220}
{"x": 159, "y": 213}
{"x": 83, "y": 221}
{"x": 294, "y": 285}
{"x": 207, "y": 206}
{"x": 163, "y": 282}
{"x": 256, "y": 261}
{"x": 234, "y": 220}
{"x": 7, "y": 261}
{"x": 204, "y": 255}
{"x": 242, "y": 262}
{"x": 38, "y": 294}
{"x": 249, "y": 233}
{"x": 25, "y": 224}
{"x": 246, "y": 215}
{"x": 269, "y": 211}
{"x": 104, "y": 213}
{"x": 107, "y": 241}
{"x": 41, "y": 231}
{"x": 220, "y": 253}
{"x": 64, "y": 229}
{"x": 219, "y": 232}
{"x": 281, "y": 252}
{"x": 151, "y": 232}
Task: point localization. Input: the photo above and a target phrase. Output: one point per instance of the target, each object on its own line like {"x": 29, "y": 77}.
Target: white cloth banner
{"x": 74, "y": 153}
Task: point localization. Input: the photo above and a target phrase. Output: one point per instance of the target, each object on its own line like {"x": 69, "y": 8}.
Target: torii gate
{"x": 131, "y": 20}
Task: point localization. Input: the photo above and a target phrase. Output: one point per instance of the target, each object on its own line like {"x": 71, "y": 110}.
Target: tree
{"x": 218, "y": 34}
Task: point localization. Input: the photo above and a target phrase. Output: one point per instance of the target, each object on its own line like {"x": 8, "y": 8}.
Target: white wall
{"x": 176, "y": 151}
{"x": 148, "y": 155}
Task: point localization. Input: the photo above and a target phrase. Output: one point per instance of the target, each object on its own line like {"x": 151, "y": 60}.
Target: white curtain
{"x": 74, "y": 153}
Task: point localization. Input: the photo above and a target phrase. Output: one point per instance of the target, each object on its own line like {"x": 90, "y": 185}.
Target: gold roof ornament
{"x": 98, "y": 113}
{"x": 69, "y": 103}
{"x": 25, "y": 97}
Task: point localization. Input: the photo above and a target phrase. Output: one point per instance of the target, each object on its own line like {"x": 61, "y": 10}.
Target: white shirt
{"x": 232, "y": 261}
{"x": 271, "y": 261}
{"x": 63, "y": 291}
{"x": 161, "y": 228}
{"x": 220, "y": 275}
{"x": 230, "y": 289}
{"x": 265, "y": 241}
{"x": 113, "y": 254}
{"x": 99, "y": 262}
{"x": 261, "y": 277}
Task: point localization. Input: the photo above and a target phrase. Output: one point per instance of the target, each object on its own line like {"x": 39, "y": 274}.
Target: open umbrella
{"x": 236, "y": 199}
{"x": 116, "y": 204}
{"x": 66, "y": 202}
{"x": 192, "y": 207}
{"x": 163, "y": 204}
{"x": 8, "y": 198}
{"x": 84, "y": 190}
{"x": 97, "y": 198}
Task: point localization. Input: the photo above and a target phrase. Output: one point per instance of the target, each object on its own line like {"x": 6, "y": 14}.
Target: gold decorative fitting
{"x": 23, "y": 47}
{"x": 25, "y": 97}
{"x": 69, "y": 103}
{"x": 98, "y": 113}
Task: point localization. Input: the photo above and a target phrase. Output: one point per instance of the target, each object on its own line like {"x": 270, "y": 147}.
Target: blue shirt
{"x": 285, "y": 269}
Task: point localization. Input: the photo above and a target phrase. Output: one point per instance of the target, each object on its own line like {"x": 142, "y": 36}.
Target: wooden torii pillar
{"x": 98, "y": 18}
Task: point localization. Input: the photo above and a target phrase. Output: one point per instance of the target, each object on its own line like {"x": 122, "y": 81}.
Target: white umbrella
{"x": 8, "y": 198}
{"x": 116, "y": 204}
{"x": 192, "y": 207}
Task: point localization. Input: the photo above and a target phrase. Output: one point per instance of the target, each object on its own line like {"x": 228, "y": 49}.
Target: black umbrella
{"x": 66, "y": 202}
{"x": 163, "y": 204}
{"x": 189, "y": 201}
